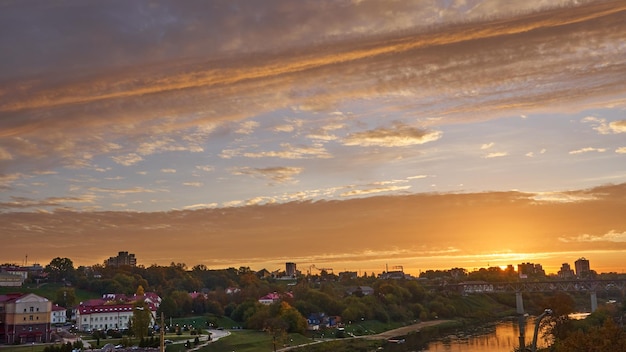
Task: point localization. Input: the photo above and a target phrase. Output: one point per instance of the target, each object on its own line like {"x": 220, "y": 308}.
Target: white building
{"x": 58, "y": 315}
{"x": 113, "y": 311}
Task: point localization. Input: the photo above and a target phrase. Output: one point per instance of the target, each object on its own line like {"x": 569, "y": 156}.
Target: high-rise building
{"x": 582, "y": 268}
{"x": 290, "y": 269}
{"x": 566, "y": 271}
{"x": 122, "y": 259}
{"x": 526, "y": 270}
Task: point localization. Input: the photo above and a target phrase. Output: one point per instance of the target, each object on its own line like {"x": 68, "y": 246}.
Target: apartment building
{"x": 24, "y": 317}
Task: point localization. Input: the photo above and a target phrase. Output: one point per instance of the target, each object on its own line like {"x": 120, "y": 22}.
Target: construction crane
{"x": 320, "y": 269}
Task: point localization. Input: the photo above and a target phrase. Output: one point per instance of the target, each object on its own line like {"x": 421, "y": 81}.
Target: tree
{"x": 141, "y": 319}
{"x": 60, "y": 269}
{"x": 607, "y": 338}
{"x": 559, "y": 324}
{"x": 65, "y": 297}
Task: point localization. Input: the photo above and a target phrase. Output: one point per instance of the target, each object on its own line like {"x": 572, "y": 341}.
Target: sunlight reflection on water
{"x": 504, "y": 336}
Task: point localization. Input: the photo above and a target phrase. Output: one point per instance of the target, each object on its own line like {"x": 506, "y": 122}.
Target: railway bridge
{"x": 591, "y": 286}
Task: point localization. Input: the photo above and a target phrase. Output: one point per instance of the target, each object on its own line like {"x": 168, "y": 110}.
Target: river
{"x": 501, "y": 337}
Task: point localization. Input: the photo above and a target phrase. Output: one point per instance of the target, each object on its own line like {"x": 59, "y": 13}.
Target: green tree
{"x": 559, "y": 324}
{"x": 60, "y": 269}
{"x": 141, "y": 319}
{"x": 65, "y": 297}
{"x": 606, "y": 338}
{"x": 295, "y": 322}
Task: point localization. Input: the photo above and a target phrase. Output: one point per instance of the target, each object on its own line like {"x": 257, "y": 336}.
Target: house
{"x": 24, "y": 317}
{"x": 263, "y": 274}
{"x": 394, "y": 275}
{"x": 317, "y": 320}
{"x": 10, "y": 280}
{"x": 360, "y": 290}
{"x": 15, "y": 270}
{"x": 273, "y": 297}
{"x": 58, "y": 315}
{"x": 113, "y": 311}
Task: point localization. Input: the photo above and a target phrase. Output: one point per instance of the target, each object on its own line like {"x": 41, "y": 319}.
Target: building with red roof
{"x": 113, "y": 311}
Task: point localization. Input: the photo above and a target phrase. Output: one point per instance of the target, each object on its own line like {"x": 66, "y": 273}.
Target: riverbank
{"x": 404, "y": 330}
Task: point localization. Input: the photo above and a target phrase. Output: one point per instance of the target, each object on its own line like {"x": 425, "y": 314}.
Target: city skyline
{"x": 360, "y": 133}
{"x": 290, "y": 269}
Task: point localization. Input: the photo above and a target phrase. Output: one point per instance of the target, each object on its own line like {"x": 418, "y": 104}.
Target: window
{"x": 32, "y": 309}
{"x": 30, "y": 318}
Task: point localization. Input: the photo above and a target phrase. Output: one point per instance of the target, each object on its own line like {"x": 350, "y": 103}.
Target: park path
{"x": 385, "y": 335}
{"x": 382, "y": 336}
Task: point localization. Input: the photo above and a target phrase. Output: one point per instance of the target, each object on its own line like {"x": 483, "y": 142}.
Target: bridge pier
{"x": 519, "y": 302}
{"x": 594, "y": 301}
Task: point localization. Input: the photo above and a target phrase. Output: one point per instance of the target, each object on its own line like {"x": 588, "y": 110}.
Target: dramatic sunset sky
{"x": 350, "y": 134}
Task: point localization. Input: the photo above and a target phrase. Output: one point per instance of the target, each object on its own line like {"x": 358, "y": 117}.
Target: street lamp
{"x": 537, "y": 322}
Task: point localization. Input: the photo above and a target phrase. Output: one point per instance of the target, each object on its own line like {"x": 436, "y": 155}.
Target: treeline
{"x": 234, "y": 293}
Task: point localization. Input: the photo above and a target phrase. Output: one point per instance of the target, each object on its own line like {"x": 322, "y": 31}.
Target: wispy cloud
{"x": 288, "y": 152}
{"x": 125, "y": 102}
{"x": 587, "y": 150}
{"x": 201, "y": 205}
{"x": 374, "y": 190}
{"x": 247, "y": 127}
{"x": 611, "y": 236}
{"x": 399, "y": 135}
{"x": 496, "y": 155}
{"x": 276, "y": 174}
{"x": 128, "y": 159}
{"x": 604, "y": 127}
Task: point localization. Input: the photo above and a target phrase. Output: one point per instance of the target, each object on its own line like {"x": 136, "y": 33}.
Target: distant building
{"x": 526, "y": 270}
{"x": 317, "y": 320}
{"x": 24, "y": 317}
{"x": 360, "y": 291}
{"x": 274, "y": 297}
{"x": 566, "y": 271}
{"x": 582, "y": 268}
{"x": 263, "y": 274}
{"x": 58, "y": 315}
{"x": 396, "y": 275}
{"x": 348, "y": 275}
{"x": 290, "y": 269}
{"x": 112, "y": 311}
{"x": 122, "y": 259}
{"x": 10, "y": 280}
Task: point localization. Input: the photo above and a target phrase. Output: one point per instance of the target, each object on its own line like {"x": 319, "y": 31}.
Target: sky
{"x": 359, "y": 135}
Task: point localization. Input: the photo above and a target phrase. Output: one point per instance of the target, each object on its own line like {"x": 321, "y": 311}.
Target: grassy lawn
{"x": 371, "y": 327}
{"x": 49, "y": 291}
{"x": 248, "y": 341}
{"x": 201, "y": 322}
